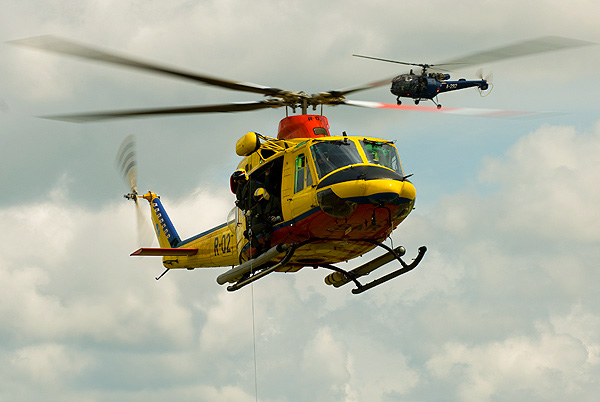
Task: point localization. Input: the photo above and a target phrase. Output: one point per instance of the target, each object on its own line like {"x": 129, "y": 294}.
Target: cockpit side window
{"x": 309, "y": 179}
{"x": 382, "y": 153}
{"x": 332, "y": 155}
{"x": 299, "y": 173}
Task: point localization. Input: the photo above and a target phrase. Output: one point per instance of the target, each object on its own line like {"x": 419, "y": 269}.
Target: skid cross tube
{"x": 254, "y": 276}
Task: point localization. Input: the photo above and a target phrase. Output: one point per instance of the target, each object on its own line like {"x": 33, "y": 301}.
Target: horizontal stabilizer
{"x": 149, "y": 251}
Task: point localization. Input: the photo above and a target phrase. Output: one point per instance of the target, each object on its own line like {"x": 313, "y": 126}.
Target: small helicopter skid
{"x": 259, "y": 267}
{"x": 417, "y": 101}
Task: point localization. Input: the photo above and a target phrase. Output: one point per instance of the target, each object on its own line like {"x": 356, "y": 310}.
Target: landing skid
{"x": 418, "y": 100}
{"x": 341, "y": 277}
{"x": 338, "y": 278}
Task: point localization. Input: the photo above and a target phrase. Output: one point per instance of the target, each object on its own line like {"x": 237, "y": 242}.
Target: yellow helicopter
{"x": 304, "y": 198}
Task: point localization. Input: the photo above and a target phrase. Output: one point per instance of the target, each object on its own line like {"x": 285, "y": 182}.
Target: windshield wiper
{"x": 377, "y": 142}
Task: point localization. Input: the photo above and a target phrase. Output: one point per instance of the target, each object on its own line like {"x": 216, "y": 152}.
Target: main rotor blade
{"x": 62, "y": 46}
{"x": 118, "y": 114}
{"x": 394, "y": 61}
{"x": 496, "y": 113}
{"x": 374, "y": 84}
{"x": 518, "y": 49}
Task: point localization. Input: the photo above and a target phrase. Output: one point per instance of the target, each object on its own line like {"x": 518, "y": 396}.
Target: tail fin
{"x": 165, "y": 231}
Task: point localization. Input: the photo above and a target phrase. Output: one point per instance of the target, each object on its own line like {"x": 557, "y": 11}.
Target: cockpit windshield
{"x": 382, "y": 153}
{"x": 332, "y": 155}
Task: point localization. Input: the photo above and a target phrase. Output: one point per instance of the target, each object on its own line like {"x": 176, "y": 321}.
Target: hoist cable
{"x": 254, "y": 343}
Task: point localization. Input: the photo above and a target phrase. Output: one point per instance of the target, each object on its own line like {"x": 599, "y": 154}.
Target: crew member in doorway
{"x": 262, "y": 219}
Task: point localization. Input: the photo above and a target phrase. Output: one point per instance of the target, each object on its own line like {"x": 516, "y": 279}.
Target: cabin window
{"x": 382, "y": 153}
{"x": 332, "y": 155}
{"x": 299, "y": 175}
{"x": 320, "y": 132}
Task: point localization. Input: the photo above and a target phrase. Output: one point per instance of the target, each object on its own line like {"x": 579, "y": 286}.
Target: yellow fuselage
{"x": 334, "y": 206}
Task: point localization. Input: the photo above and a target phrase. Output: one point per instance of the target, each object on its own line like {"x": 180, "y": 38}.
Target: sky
{"x": 504, "y": 306}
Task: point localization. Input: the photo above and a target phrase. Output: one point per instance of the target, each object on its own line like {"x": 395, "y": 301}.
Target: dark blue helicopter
{"x": 427, "y": 85}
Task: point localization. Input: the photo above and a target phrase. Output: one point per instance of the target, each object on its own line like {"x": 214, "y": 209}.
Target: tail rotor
{"x": 486, "y": 87}
{"x": 127, "y": 164}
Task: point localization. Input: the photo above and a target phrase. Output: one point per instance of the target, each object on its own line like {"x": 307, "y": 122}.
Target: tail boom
{"x": 216, "y": 247}
{"x": 165, "y": 231}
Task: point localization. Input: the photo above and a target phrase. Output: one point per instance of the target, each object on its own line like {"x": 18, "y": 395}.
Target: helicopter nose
{"x": 377, "y": 191}
{"x": 339, "y": 193}
{"x": 390, "y": 191}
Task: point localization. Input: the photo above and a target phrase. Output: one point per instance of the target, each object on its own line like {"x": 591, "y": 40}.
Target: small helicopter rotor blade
{"x": 495, "y": 113}
{"x": 424, "y": 66}
{"x": 119, "y": 114}
{"x": 394, "y": 61}
{"x": 62, "y": 46}
{"x": 488, "y": 77}
{"x": 488, "y": 80}
{"x": 518, "y": 49}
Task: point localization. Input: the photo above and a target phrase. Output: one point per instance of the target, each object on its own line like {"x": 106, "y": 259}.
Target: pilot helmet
{"x": 235, "y": 179}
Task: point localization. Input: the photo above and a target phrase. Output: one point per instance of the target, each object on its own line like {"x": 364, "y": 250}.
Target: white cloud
{"x": 227, "y": 325}
{"x": 548, "y": 365}
{"x": 48, "y": 364}
{"x": 379, "y": 371}
{"x": 325, "y": 360}
{"x": 201, "y": 393}
{"x": 549, "y": 179}
{"x": 65, "y": 279}
{"x": 584, "y": 326}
